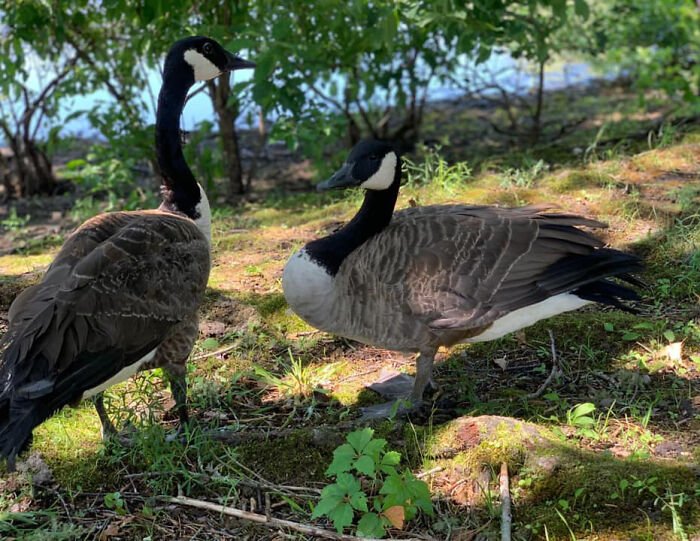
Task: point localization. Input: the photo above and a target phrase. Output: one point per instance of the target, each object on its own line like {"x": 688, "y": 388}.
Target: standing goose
{"x": 123, "y": 292}
{"x": 441, "y": 275}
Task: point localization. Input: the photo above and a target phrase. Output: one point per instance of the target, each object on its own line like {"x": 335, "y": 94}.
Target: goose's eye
{"x": 207, "y": 48}
{"x": 373, "y": 157}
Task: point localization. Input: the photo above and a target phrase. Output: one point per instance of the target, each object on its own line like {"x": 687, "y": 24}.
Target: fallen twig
{"x": 506, "y": 516}
{"x": 267, "y": 521}
{"x": 431, "y": 471}
{"x": 217, "y": 352}
{"x": 555, "y": 370}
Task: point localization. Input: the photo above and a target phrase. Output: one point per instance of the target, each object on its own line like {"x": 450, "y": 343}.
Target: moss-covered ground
{"x": 284, "y": 395}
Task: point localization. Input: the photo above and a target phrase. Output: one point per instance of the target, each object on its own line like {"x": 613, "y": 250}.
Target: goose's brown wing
{"x": 118, "y": 284}
{"x": 461, "y": 267}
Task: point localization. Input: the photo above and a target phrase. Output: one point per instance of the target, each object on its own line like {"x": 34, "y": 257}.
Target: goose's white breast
{"x": 308, "y": 288}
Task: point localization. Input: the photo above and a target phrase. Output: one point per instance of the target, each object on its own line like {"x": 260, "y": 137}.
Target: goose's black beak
{"x": 342, "y": 178}
{"x": 234, "y": 62}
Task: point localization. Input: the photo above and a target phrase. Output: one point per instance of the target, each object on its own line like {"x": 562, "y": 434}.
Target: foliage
{"x": 391, "y": 498}
{"x": 379, "y": 59}
{"x": 435, "y": 169}
{"x": 101, "y": 177}
{"x": 14, "y": 222}
{"x": 656, "y": 43}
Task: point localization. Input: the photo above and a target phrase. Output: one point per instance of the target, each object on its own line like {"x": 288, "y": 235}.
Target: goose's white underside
{"x": 529, "y": 315}
{"x": 124, "y": 374}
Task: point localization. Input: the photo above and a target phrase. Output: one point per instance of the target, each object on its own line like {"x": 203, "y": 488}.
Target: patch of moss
{"x": 294, "y": 459}
{"x": 578, "y": 180}
{"x": 610, "y": 494}
{"x": 498, "y": 440}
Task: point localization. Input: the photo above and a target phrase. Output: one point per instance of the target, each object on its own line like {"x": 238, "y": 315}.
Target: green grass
{"x": 287, "y": 396}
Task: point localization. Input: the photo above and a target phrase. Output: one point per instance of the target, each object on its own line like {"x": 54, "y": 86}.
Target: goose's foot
{"x": 393, "y": 385}
{"x": 180, "y": 434}
{"x": 390, "y": 410}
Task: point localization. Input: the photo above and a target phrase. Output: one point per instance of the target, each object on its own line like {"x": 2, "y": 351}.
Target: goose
{"x": 123, "y": 291}
{"x": 440, "y": 275}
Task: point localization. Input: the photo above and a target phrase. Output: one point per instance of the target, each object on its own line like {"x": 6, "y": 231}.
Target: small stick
{"x": 429, "y": 472}
{"x": 217, "y": 352}
{"x": 505, "y": 503}
{"x": 262, "y": 519}
{"x": 555, "y": 370}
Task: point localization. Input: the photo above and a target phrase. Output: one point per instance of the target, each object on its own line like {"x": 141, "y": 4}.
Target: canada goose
{"x": 440, "y": 275}
{"x": 123, "y": 292}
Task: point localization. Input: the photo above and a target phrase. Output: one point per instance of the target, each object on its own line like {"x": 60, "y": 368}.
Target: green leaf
{"x": 348, "y": 483}
{"x": 394, "y": 485}
{"x": 343, "y": 457}
{"x": 391, "y": 458}
{"x": 584, "y": 421}
{"x": 359, "y": 501}
{"x": 360, "y": 438}
{"x": 581, "y": 8}
{"x": 582, "y": 409}
{"x": 374, "y": 447}
{"x": 670, "y": 336}
{"x": 609, "y": 327}
{"x": 333, "y": 491}
{"x": 341, "y": 516}
{"x": 559, "y": 8}
{"x": 370, "y": 525}
{"x": 325, "y": 506}
{"x": 365, "y": 464}
{"x": 644, "y": 325}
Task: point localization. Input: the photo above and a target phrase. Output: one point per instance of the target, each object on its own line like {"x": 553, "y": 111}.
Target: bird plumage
{"x": 114, "y": 293}
{"x": 438, "y": 275}
{"x": 123, "y": 292}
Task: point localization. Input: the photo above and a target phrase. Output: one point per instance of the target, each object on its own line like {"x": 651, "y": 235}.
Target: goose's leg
{"x": 178, "y": 386}
{"x": 407, "y": 390}
{"x": 108, "y": 429}
{"x": 424, "y": 376}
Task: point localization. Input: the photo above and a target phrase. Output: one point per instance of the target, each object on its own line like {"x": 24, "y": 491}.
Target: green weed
{"x": 368, "y": 484}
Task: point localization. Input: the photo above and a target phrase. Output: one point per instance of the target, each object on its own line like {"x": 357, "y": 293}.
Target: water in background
{"x": 513, "y": 76}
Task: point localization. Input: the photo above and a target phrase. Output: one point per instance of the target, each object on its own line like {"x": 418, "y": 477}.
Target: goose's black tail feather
{"x": 595, "y": 271}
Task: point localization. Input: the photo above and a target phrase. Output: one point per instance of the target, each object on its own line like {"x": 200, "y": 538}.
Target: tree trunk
{"x": 537, "y": 114}
{"x": 226, "y": 116}
{"x": 39, "y": 177}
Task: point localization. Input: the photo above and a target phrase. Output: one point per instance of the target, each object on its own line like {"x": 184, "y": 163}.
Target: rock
{"x": 36, "y": 469}
{"x": 467, "y": 433}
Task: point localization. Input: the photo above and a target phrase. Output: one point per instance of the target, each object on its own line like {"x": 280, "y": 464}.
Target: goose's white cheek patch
{"x": 384, "y": 176}
{"x": 203, "y": 68}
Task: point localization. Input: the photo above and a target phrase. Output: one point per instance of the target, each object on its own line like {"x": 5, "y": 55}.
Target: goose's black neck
{"x": 179, "y": 187}
{"x": 374, "y": 215}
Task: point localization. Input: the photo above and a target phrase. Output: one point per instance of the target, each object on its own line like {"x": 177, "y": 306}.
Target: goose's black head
{"x": 371, "y": 164}
{"x": 205, "y": 57}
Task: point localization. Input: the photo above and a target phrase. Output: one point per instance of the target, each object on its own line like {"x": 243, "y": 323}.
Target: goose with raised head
{"x": 440, "y": 275}
{"x": 123, "y": 292}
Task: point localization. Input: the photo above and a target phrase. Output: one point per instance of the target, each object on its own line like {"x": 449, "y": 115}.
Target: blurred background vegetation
{"x": 328, "y": 74}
